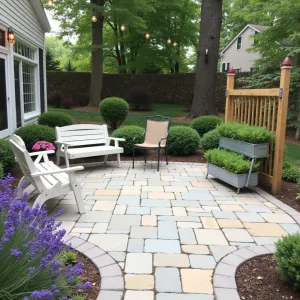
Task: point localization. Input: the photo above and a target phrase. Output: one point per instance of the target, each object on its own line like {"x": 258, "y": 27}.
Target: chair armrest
{"x": 66, "y": 170}
{"x": 41, "y": 152}
{"x": 116, "y": 139}
{"x": 63, "y": 143}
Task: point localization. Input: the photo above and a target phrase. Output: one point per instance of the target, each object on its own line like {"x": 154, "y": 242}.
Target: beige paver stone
{"x": 195, "y": 249}
{"x": 171, "y": 260}
{"x": 179, "y": 211}
{"x": 238, "y": 235}
{"x": 95, "y": 175}
{"x": 227, "y": 223}
{"x": 189, "y": 225}
{"x": 196, "y": 281}
{"x": 153, "y": 188}
{"x": 277, "y": 218}
{"x": 104, "y": 205}
{"x": 175, "y": 189}
{"x": 140, "y": 182}
{"x": 264, "y": 229}
{"x": 139, "y": 282}
{"x": 149, "y": 220}
{"x": 210, "y": 237}
{"x": 100, "y": 228}
{"x": 110, "y": 242}
{"x": 270, "y": 205}
{"x": 130, "y": 192}
{"x": 195, "y": 209}
{"x": 139, "y": 295}
{"x": 209, "y": 223}
{"x": 161, "y": 196}
{"x": 231, "y": 208}
{"x": 81, "y": 230}
{"x": 249, "y": 200}
{"x": 107, "y": 193}
{"x": 120, "y": 209}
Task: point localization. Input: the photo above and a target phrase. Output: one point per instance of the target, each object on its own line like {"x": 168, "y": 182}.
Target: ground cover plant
{"x": 30, "y": 252}
{"x": 230, "y": 161}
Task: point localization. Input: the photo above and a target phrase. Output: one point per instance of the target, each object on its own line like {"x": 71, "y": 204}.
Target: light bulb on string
{"x": 174, "y": 44}
{"x": 50, "y": 2}
{"x": 94, "y": 17}
{"x": 147, "y": 35}
{"x": 169, "y": 41}
{"x": 123, "y": 27}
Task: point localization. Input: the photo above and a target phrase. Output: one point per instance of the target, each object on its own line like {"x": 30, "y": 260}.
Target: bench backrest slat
{"x": 83, "y": 134}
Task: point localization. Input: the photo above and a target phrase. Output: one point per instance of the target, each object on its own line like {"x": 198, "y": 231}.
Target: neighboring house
{"x": 236, "y": 54}
{"x": 22, "y": 63}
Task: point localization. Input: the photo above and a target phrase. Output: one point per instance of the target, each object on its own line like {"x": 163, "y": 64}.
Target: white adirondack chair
{"x": 44, "y": 175}
{"x": 85, "y": 140}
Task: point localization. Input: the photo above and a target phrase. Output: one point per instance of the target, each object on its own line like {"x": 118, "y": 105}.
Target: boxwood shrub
{"x": 53, "y": 119}
{"x": 33, "y": 132}
{"x": 7, "y": 158}
{"x": 129, "y": 133}
{"x": 246, "y": 133}
{"x": 210, "y": 140}
{"x": 114, "y": 111}
{"x": 290, "y": 173}
{"x": 230, "y": 161}
{"x": 205, "y": 124}
{"x": 183, "y": 140}
{"x": 287, "y": 257}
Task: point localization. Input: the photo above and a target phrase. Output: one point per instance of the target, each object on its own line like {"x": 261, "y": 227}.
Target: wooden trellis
{"x": 267, "y": 108}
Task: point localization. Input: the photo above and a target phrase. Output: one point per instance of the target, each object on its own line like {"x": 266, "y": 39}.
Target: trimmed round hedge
{"x": 33, "y": 132}
{"x": 128, "y": 133}
{"x": 210, "y": 140}
{"x": 183, "y": 140}
{"x": 7, "y": 158}
{"x": 53, "y": 119}
{"x": 114, "y": 111}
{"x": 205, "y": 124}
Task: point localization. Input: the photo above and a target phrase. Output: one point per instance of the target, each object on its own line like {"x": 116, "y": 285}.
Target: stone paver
{"x": 162, "y": 234}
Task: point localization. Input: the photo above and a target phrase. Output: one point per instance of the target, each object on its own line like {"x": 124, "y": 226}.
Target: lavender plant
{"x": 30, "y": 244}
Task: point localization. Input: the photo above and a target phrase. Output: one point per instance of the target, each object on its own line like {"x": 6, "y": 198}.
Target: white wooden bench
{"x": 44, "y": 175}
{"x": 85, "y": 140}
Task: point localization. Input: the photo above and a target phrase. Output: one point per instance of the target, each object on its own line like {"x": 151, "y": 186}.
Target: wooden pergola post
{"x": 285, "y": 79}
{"x": 230, "y": 86}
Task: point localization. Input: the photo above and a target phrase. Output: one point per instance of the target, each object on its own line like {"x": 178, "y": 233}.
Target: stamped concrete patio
{"x": 168, "y": 230}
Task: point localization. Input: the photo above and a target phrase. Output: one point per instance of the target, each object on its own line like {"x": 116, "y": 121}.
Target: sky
{"x": 54, "y": 24}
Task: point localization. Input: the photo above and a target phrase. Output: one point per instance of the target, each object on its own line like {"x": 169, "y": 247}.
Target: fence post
{"x": 285, "y": 79}
{"x": 230, "y": 86}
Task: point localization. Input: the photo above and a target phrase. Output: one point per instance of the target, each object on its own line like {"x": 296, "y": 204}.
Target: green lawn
{"x": 292, "y": 153}
{"x": 168, "y": 110}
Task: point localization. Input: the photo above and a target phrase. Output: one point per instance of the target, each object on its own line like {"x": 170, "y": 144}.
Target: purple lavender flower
{"x": 41, "y": 295}
{"x": 83, "y": 286}
{"x": 16, "y": 253}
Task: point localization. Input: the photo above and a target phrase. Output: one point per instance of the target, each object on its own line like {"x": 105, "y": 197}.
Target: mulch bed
{"x": 258, "y": 279}
{"x": 90, "y": 274}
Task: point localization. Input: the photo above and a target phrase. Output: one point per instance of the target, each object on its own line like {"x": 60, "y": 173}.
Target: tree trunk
{"x": 97, "y": 57}
{"x": 206, "y": 70}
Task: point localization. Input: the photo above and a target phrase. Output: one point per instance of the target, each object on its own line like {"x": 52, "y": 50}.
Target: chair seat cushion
{"x": 148, "y": 145}
{"x": 93, "y": 151}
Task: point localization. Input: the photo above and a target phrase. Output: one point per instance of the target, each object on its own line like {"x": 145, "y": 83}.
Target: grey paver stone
{"x": 245, "y": 253}
{"x": 118, "y": 256}
{"x": 266, "y": 240}
{"x": 156, "y": 203}
{"x": 110, "y": 242}
{"x": 185, "y": 203}
{"x": 250, "y": 217}
{"x": 84, "y": 225}
{"x": 196, "y": 196}
{"x": 224, "y": 282}
{"x": 233, "y": 260}
{"x": 76, "y": 242}
{"x": 138, "y": 295}
{"x": 187, "y": 236}
{"x": 143, "y": 232}
{"x": 179, "y": 219}
{"x": 272, "y": 248}
{"x": 112, "y": 283}
{"x": 167, "y": 280}
{"x": 226, "y": 294}
{"x": 162, "y": 246}
{"x": 171, "y": 296}
{"x": 138, "y": 263}
{"x": 291, "y": 228}
{"x": 260, "y": 250}
{"x": 131, "y": 210}
{"x": 167, "y": 230}
{"x": 257, "y": 208}
{"x": 226, "y": 270}
{"x": 161, "y": 211}
{"x": 94, "y": 252}
{"x": 84, "y": 236}
{"x": 124, "y": 222}
{"x": 95, "y": 216}
{"x": 202, "y": 261}
{"x": 135, "y": 245}
{"x": 84, "y": 247}
{"x": 110, "y": 271}
{"x": 104, "y": 260}
{"x": 224, "y": 215}
{"x": 110, "y": 295}
{"x": 129, "y": 200}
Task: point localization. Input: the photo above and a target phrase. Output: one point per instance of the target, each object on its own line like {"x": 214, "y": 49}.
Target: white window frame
{"x": 34, "y": 62}
{"x": 237, "y": 42}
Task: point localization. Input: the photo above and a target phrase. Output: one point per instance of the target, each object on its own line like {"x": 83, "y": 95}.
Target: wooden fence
{"x": 267, "y": 108}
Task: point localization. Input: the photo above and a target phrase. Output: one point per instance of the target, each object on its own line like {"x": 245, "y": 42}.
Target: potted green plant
{"x": 232, "y": 168}
{"x": 251, "y": 141}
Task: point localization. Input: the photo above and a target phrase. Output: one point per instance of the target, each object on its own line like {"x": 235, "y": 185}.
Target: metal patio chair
{"x": 156, "y": 137}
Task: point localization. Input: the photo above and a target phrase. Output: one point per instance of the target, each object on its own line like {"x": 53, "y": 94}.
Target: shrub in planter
{"x": 230, "y": 161}
{"x": 140, "y": 99}
{"x": 245, "y": 133}
{"x": 210, "y": 140}
{"x": 30, "y": 250}
{"x": 287, "y": 257}
{"x": 67, "y": 103}
{"x": 114, "y": 111}
{"x": 290, "y": 173}
{"x": 7, "y": 158}
{"x": 128, "y": 133}
{"x": 205, "y": 124}
{"x": 183, "y": 140}
{"x": 33, "y": 132}
{"x": 53, "y": 119}
{"x": 55, "y": 100}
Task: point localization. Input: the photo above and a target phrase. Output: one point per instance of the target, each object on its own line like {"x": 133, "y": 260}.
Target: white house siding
{"x": 241, "y": 59}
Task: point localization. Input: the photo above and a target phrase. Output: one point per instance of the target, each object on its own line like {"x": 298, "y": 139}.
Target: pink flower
{"x": 43, "y": 145}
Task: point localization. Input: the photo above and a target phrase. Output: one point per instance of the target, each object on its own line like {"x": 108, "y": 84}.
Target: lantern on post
{"x": 11, "y": 36}
{"x": 94, "y": 16}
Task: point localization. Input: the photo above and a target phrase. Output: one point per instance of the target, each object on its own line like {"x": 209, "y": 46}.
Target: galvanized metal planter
{"x": 236, "y": 180}
{"x": 250, "y": 150}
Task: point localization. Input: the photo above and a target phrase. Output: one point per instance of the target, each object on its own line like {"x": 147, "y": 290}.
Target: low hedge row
{"x": 53, "y": 119}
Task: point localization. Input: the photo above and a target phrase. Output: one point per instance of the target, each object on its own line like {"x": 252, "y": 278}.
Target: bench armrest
{"x": 66, "y": 170}
{"x": 41, "y": 152}
{"x": 116, "y": 139}
{"x": 63, "y": 143}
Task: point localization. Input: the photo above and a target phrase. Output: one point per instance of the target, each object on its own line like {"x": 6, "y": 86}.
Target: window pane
{"x": 29, "y": 88}
{"x": 239, "y": 42}
{"x": 17, "y": 92}
{"x": 3, "y": 96}
{"x": 24, "y": 50}
{"x": 2, "y": 38}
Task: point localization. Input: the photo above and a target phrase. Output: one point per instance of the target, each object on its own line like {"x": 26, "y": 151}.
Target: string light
{"x": 169, "y": 41}
{"x": 50, "y": 2}
{"x": 174, "y": 44}
{"x": 123, "y": 27}
{"x": 94, "y": 17}
{"x": 147, "y": 35}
